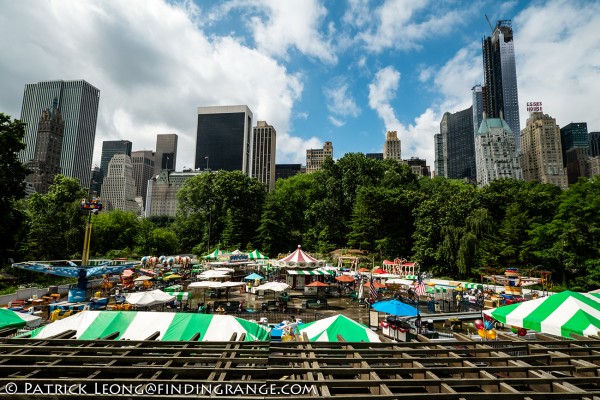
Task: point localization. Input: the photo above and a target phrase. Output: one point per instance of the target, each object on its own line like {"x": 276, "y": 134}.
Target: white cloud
{"x": 558, "y": 60}
{"x": 281, "y": 25}
{"x": 400, "y": 24}
{"x": 336, "y": 122}
{"x": 152, "y": 64}
{"x": 339, "y": 99}
{"x": 382, "y": 91}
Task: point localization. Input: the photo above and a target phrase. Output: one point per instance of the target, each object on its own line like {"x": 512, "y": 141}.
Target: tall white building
{"x": 264, "y": 145}
{"x": 392, "y": 146}
{"x": 118, "y": 188}
{"x": 496, "y": 152}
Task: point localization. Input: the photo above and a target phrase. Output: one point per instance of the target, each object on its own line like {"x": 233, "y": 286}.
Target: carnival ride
{"x": 514, "y": 281}
{"x": 69, "y": 269}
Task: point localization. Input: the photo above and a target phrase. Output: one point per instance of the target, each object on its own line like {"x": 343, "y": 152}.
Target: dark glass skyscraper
{"x": 572, "y": 135}
{"x": 594, "y": 144}
{"x": 166, "y": 153}
{"x": 223, "y": 138}
{"x": 78, "y": 102}
{"x": 458, "y": 149}
{"x": 500, "y": 74}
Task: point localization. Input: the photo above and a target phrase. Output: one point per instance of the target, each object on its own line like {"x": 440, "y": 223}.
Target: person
{"x": 418, "y": 323}
{"x": 201, "y": 308}
{"x": 220, "y": 309}
{"x": 208, "y": 308}
{"x": 458, "y": 299}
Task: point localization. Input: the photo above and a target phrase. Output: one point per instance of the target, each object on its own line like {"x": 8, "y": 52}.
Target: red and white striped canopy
{"x": 299, "y": 256}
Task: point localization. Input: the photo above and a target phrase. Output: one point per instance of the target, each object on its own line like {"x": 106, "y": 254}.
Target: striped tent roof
{"x": 299, "y": 256}
{"x": 561, "y": 314}
{"x": 182, "y": 296}
{"x": 309, "y": 272}
{"x": 131, "y": 325}
{"x": 327, "y": 330}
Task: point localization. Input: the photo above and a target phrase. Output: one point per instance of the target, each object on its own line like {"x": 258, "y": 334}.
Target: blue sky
{"x": 344, "y": 71}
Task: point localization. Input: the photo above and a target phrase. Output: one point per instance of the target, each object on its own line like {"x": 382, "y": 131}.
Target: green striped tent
{"x": 182, "y": 296}
{"x": 413, "y": 277}
{"x": 256, "y": 255}
{"x": 438, "y": 289}
{"x": 214, "y": 255}
{"x": 469, "y": 285}
{"x": 561, "y": 314}
{"x": 173, "y": 288}
{"x": 131, "y": 325}
{"x": 11, "y": 319}
{"x": 309, "y": 272}
{"x": 327, "y": 330}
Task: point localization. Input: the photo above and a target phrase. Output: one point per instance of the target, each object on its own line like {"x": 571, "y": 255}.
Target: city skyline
{"x": 317, "y": 71}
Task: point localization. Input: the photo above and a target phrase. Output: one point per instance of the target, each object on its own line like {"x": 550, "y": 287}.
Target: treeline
{"x": 450, "y": 227}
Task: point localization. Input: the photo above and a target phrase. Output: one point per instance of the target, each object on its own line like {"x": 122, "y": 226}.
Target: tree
{"x": 12, "y": 184}
{"x": 56, "y": 223}
{"x": 114, "y": 230}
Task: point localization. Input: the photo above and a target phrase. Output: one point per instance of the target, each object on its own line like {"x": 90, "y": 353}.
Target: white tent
{"x": 147, "y": 299}
{"x": 210, "y": 274}
{"x": 274, "y": 286}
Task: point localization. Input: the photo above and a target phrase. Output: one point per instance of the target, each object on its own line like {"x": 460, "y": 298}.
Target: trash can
{"x": 438, "y": 308}
{"x": 430, "y": 324}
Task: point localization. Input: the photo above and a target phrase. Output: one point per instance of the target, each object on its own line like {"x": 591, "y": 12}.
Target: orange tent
{"x": 344, "y": 278}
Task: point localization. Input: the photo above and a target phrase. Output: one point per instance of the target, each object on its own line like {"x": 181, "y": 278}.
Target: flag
{"x": 420, "y": 290}
{"x": 372, "y": 291}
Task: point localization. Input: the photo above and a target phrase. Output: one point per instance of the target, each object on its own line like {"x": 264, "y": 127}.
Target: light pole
{"x": 90, "y": 207}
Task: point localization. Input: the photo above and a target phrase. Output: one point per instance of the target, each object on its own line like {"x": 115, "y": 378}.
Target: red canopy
{"x": 344, "y": 278}
{"x": 317, "y": 284}
{"x": 380, "y": 271}
{"x": 388, "y": 262}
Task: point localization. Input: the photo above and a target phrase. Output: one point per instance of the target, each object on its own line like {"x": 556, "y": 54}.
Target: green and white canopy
{"x": 470, "y": 285}
{"x": 560, "y": 314}
{"x": 131, "y": 325}
{"x": 327, "y": 330}
{"x": 182, "y": 296}
{"x": 255, "y": 255}
{"x": 438, "y": 289}
{"x": 12, "y": 319}
{"x": 309, "y": 272}
{"x": 214, "y": 255}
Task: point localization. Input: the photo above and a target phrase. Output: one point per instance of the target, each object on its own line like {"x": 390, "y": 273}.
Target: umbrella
{"x": 213, "y": 274}
{"x": 364, "y": 270}
{"x": 377, "y": 285}
{"x": 255, "y": 255}
{"x": 395, "y": 307}
{"x": 151, "y": 298}
{"x": 253, "y": 276}
{"x": 172, "y": 277}
{"x": 380, "y": 271}
{"x": 92, "y": 325}
{"x": 561, "y": 314}
{"x": 10, "y": 319}
{"x": 317, "y": 284}
{"x": 344, "y": 278}
{"x": 142, "y": 278}
{"x": 327, "y": 330}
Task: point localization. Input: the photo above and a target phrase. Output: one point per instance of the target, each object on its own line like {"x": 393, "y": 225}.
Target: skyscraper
{"x": 166, "y": 153}
{"x": 143, "y": 170}
{"x": 458, "y": 152}
{"x": 477, "y": 107}
{"x": 575, "y": 143}
{"x": 594, "y": 144}
{"x": 223, "y": 138}
{"x": 495, "y": 152}
{"x": 48, "y": 146}
{"x": 541, "y": 155}
{"x": 316, "y": 157}
{"x": 78, "y": 102}
{"x": 500, "y": 74}
{"x": 392, "y": 146}
{"x": 109, "y": 149}
{"x": 118, "y": 188}
{"x": 162, "y": 192}
{"x": 284, "y": 171}
{"x": 439, "y": 163}
{"x": 264, "y": 144}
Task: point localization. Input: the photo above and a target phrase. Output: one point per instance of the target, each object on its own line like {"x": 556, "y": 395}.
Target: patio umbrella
{"x": 327, "y": 330}
{"x": 132, "y": 325}
{"x": 344, "y": 278}
{"x": 10, "y": 319}
{"x": 395, "y": 307}
{"x": 213, "y": 274}
{"x": 317, "y": 284}
{"x": 142, "y": 278}
{"x": 274, "y": 286}
{"x": 561, "y": 314}
{"x": 253, "y": 276}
